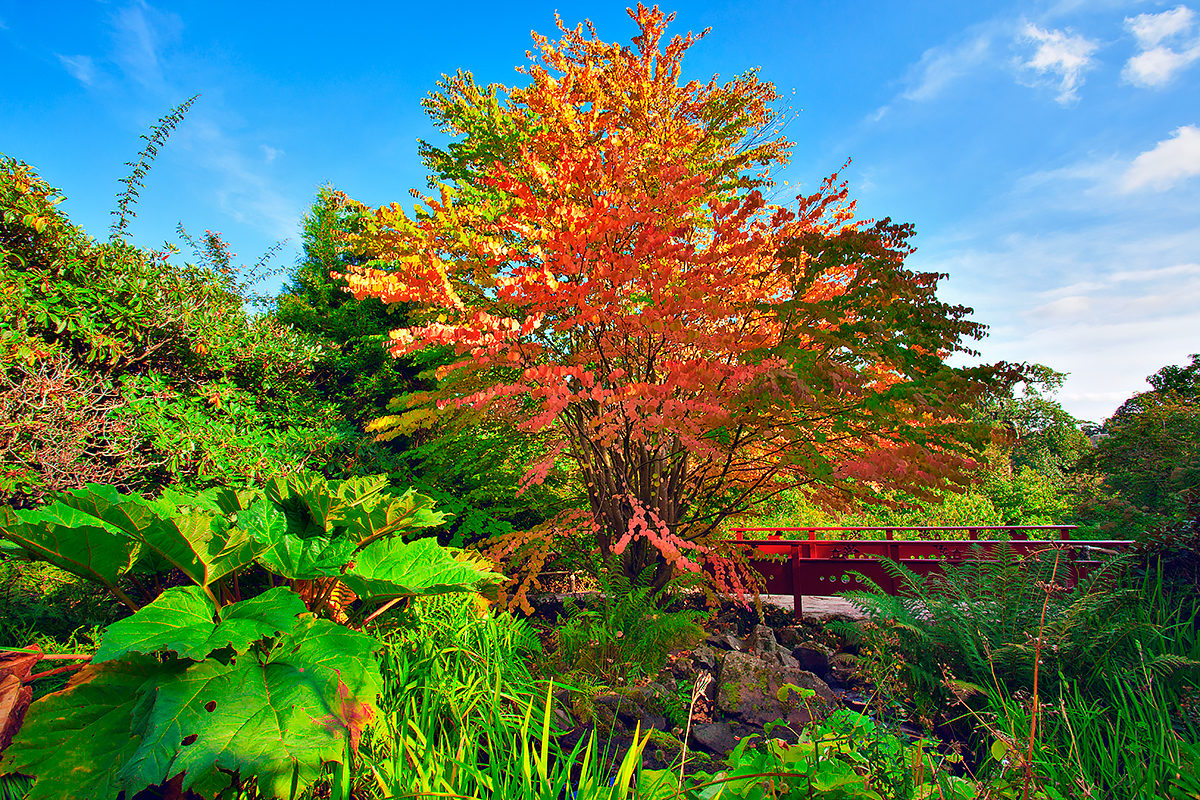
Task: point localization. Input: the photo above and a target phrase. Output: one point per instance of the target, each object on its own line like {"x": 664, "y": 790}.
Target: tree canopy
{"x": 603, "y": 262}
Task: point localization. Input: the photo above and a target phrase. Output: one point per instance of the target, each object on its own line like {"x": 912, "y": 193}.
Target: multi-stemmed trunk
{"x": 633, "y": 486}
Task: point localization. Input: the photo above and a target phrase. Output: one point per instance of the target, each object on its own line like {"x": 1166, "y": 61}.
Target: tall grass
{"x": 1083, "y": 687}
{"x": 463, "y": 715}
{"x": 1130, "y": 744}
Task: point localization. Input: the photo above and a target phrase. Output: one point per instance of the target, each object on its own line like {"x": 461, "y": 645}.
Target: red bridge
{"x": 811, "y": 564}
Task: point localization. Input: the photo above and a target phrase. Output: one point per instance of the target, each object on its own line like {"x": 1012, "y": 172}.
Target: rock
{"x": 703, "y": 657}
{"x": 761, "y": 641}
{"x": 712, "y": 737}
{"x": 812, "y": 657}
{"x": 787, "y": 660}
{"x": 656, "y": 721}
{"x": 724, "y": 641}
{"x": 843, "y": 669}
{"x": 648, "y": 696}
{"x": 604, "y": 712}
{"x": 749, "y": 686}
{"x": 563, "y": 720}
{"x": 788, "y": 637}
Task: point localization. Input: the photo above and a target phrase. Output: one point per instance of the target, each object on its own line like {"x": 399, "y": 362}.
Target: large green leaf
{"x": 76, "y": 741}
{"x": 306, "y": 500}
{"x": 206, "y": 547}
{"x": 277, "y": 718}
{"x": 98, "y": 533}
{"x": 129, "y": 513}
{"x": 71, "y": 540}
{"x": 391, "y": 568}
{"x": 302, "y": 555}
{"x": 391, "y": 516}
{"x": 184, "y": 620}
{"x": 216, "y": 500}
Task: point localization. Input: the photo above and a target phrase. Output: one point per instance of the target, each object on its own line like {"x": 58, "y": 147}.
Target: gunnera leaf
{"x": 276, "y": 716}
{"x": 75, "y": 741}
{"x": 391, "y": 516}
{"x": 70, "y": 539}
{"x": 295, "y": 551}
{"x": 391, "y": 568}
{"x": 185, "y": 620}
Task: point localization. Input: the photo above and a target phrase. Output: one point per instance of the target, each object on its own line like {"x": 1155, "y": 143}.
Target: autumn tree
{"x": 602, "y": 259}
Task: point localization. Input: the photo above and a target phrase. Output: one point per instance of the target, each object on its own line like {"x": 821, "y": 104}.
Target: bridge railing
{"x": 814, "y": 565}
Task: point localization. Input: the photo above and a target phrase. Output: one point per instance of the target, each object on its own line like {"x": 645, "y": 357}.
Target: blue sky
{"x": 1048, "y": 153}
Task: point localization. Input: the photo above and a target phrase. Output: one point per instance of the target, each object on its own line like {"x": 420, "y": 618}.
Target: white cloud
{"x": 1060, "y": 54}
{"x": 941, "y": 66}
{"x": 141, "y": 32}
{"x": 1167, "y": 46}
{"x": 1167, "y": 163}
{"x": 1151, "y": 29}
{"x": 270, "y": 153}
{"x": 241, "y": 186}
{"x": 1153, "y": 68}
{"x": 81, "y": 68}
{"x": 1109, "y": 298}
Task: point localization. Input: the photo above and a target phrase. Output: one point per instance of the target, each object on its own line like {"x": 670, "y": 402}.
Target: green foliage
{"x": 302, "y": 528}
{"x": 512, "y": 753}
{"x": 122, "y": 367}
{"x": 1115, "y": 658}
{"x": 476, "y": 468}
{"x": 1149, "y": 453}
{"x": 982, "y": 622}
{"x": 625, "y": 634}
{"x": 49, "y": 608}
{"x": 1129, "y": 744}
{"x": 264, "y": 692}
{"x": 252, "y": 689}
{"x": 444, "y": 662}
{"x": 354, "y": 371}
{"x": 1038, "y": 432}
{"x": 391, "y": 569}
{"x": 472, "y": 467}
{"x": 134, "y": 181}
{"x": 846, "y": 756}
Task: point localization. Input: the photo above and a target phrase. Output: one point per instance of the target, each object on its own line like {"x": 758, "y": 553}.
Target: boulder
{"x": 653, "y": 721}
{"x": 724, "y": 641}
{"x": 788, "y": 637}
{"x": 749, "y": 691}
{"x": 704, "y": 657}
{"x": 843, "y": 669}
{"x": 762, "y": 643}
{"x": 812, "y": 657}
{"x": 712, "y": 737}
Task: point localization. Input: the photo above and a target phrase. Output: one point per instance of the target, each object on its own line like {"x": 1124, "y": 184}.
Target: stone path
{"x": 816, "y": 607}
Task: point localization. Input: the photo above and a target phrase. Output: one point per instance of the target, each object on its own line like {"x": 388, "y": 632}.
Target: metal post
{"x": 797, "y": 589}
{"x": 894, "y": 555}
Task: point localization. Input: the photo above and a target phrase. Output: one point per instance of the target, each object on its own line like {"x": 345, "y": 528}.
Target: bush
{"x": 625, "y": 634}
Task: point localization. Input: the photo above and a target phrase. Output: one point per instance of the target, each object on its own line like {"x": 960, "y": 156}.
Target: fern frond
{"x": 1167, "y": 664}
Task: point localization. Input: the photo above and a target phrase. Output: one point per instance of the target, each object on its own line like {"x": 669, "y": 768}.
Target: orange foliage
{"x": 619, "y": 279}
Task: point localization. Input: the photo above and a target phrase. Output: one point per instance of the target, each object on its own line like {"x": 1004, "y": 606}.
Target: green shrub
{"x": 626, "y": 633}
{"x": 987, "y": 621}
